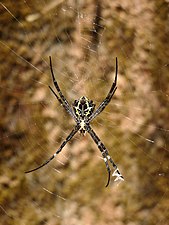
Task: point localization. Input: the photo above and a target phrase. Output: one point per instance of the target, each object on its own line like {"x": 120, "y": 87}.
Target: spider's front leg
{"x": 108, "y": 97}
{"x": 62, "y": 100}
{"x": 106, "y": 156}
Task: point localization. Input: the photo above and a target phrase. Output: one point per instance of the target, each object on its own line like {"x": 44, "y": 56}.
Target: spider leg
{"x": 106, "y": 101}
{"x": 62, "y": 98}
{"x": 56, "y": 84}
{"x": 69, "y": 137}
{"x": 63, "y": 104}
{"x": 106, "y": 156}
{"x": 108, "y": 180}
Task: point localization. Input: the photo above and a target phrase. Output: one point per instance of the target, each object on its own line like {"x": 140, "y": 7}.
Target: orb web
{"x": 83, "y": 39}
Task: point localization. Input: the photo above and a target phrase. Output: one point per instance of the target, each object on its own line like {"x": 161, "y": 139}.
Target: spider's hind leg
{"x": 106, "y": 156}
{"x": 116, "y": 172}
{"x": 107, "y": 167}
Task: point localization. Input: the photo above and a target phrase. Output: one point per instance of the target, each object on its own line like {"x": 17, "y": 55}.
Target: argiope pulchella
{"x": 83, "y": 113}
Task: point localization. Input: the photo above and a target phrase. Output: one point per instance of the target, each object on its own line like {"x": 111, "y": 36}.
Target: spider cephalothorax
{"x": 83, "y": 113}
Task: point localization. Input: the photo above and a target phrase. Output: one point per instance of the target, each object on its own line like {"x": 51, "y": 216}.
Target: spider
{"x": 83, "y": 112}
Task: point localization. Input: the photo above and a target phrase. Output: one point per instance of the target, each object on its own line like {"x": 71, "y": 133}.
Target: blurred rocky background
{"x": 83, "y": 38}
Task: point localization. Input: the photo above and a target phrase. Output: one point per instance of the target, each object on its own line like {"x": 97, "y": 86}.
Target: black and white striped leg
{"x": 106, "y": 157}
{"x": 63, "y": 104}
{"x": 106, "y": 163}
{"x": 56, "y": 84}
{"x": 69, "y": 137}
{"x": 116, "y": 172}
{"x": 62, "y": 99}
{"x": 106, "y": 101}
